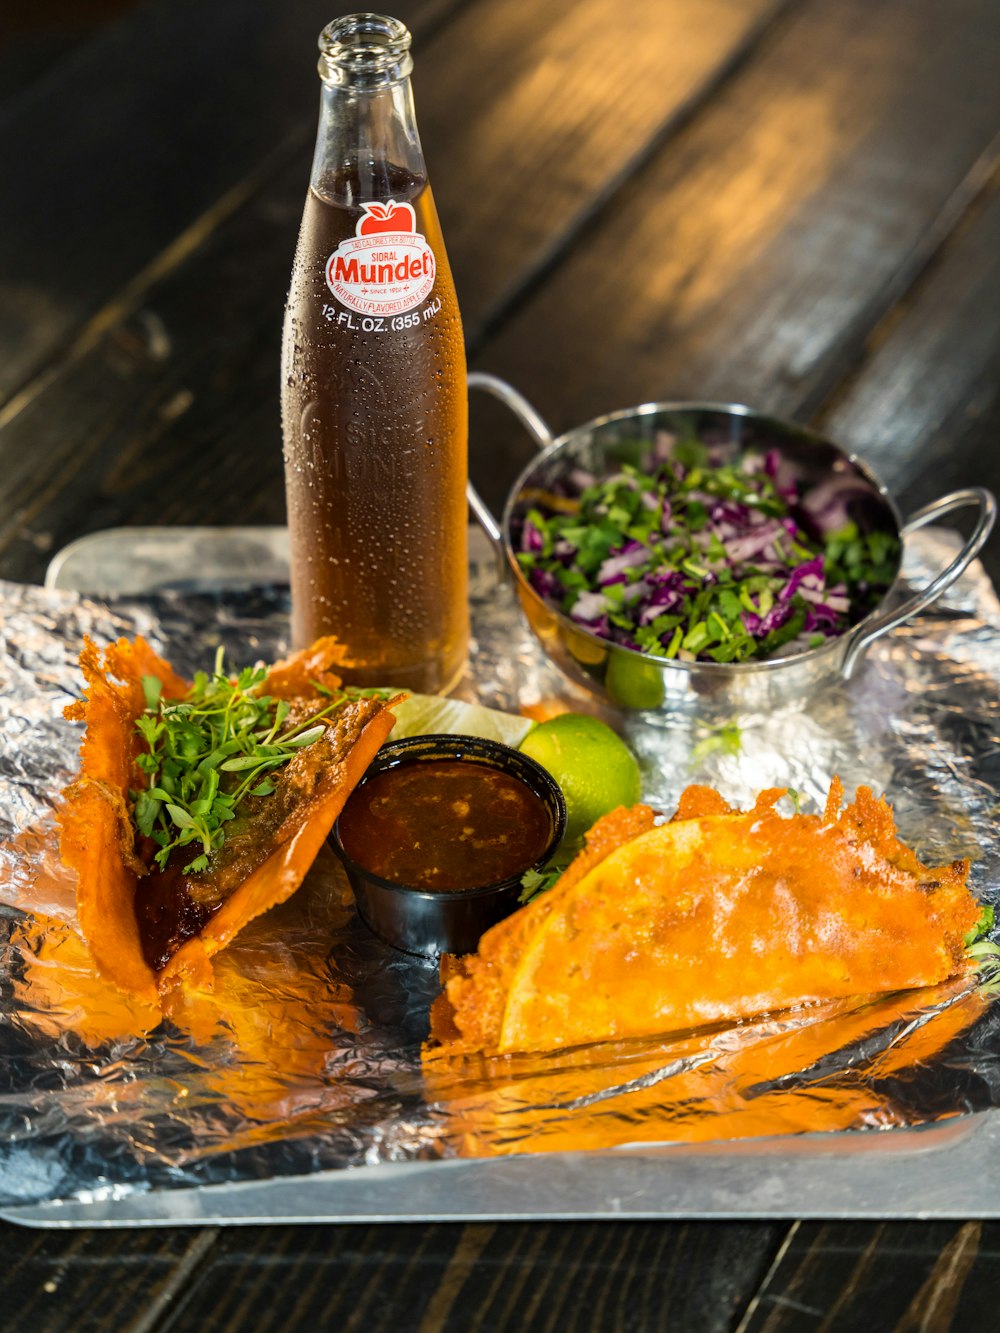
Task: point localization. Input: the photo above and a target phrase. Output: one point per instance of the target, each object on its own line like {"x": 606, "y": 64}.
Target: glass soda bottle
{"x": 374, "y": 408}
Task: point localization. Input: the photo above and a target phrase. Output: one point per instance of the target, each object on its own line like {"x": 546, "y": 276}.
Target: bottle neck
{"x": 367, "y": 148}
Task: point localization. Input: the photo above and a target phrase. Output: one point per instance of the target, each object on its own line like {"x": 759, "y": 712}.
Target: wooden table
{"x": 791, "y": 203}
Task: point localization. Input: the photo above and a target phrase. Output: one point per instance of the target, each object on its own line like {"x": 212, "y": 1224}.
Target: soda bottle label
{"x": 386, "y": 267}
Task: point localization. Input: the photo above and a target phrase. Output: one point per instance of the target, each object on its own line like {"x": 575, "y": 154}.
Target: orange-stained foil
{"x": 713, "y": 917}
{"x": 97, "y": 835}
{"x": 256, "y": 1042}
{"x": 831, "y": 1066}
{"x": 305, "y": 1055}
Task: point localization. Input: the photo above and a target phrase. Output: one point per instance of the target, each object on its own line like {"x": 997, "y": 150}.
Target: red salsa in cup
{"x": 445, "y": 825}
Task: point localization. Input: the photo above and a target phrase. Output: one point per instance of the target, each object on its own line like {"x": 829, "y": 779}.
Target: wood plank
{"x": 92, "y": 1281}
{"x": 924, "y": 408}
{"x": 508, "y": 1278}
{"x": 756, "y": 252}
{"x": 131, "y": 138}
{"x": 168, "y": 411}
{"x": 549, "y": 110}
{"x": 897, "y": 1277}
{"x": 33, "y": 42}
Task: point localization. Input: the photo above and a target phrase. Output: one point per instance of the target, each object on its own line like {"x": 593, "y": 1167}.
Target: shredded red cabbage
{"x": 702, "y": 561}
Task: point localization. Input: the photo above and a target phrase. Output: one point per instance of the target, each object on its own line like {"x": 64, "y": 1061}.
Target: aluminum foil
{"x": 306, "y": 1054}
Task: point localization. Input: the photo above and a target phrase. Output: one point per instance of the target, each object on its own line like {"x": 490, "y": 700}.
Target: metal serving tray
{"x": 941, "y": 1170}
{"x": 945, "y": 1171}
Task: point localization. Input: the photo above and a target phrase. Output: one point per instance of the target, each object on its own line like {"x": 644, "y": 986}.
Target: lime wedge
{"x": 429, "y": 715}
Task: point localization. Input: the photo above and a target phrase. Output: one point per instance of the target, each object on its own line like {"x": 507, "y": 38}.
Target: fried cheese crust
{"x": 97, "y": 835}
{"x": 714, "y": 916}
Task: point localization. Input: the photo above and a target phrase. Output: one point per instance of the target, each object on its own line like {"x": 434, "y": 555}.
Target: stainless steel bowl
{"x": 630, "y": 679}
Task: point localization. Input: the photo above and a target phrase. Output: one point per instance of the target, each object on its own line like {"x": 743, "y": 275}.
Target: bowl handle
{"x": 533, "y": 424}
{"x": 987, "y": 506}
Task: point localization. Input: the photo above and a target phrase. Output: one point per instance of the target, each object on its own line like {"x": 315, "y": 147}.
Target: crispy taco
{"x": 200, "y": 806}
{"x": 714, "y": 916}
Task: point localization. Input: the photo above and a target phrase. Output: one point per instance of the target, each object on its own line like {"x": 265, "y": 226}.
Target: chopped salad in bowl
{"x": 697, "y": 553}
{"x": 704, "y": 554}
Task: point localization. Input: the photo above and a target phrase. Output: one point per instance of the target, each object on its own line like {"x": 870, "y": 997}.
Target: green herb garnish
{"x": 534, "y": 882}
{"x": 206, "y": 753}
{"x": 984, "y": 952}
{"x": 724, "y": 737}
{"x": 986, "y": 922}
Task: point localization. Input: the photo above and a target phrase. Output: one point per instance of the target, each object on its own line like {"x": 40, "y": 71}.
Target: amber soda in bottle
{"x": 374, "y": 410}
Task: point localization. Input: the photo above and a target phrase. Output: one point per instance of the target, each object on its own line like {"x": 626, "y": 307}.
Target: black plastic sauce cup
{"x": 430, "y": 922}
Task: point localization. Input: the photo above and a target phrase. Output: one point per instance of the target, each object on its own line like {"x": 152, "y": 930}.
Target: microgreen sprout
{"x": 206, "y": 753}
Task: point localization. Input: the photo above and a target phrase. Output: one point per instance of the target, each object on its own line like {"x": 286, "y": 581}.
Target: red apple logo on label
{"x": 389, "y": 216}
{"x": 387, "y": 267}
